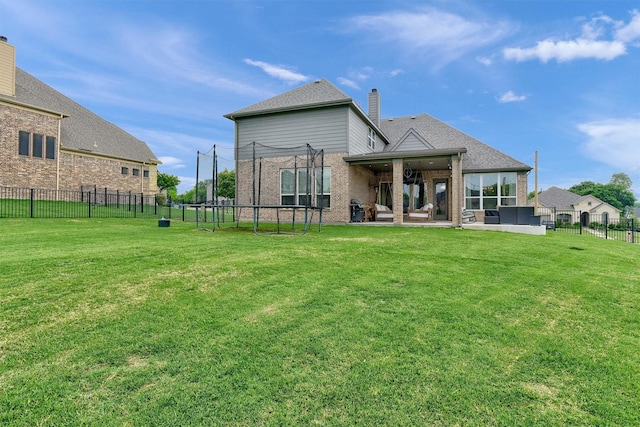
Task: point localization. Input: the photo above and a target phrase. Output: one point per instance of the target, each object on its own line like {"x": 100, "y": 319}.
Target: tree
{"x": 227, "y": 184}
{"x": 584, "y": 188}
{"x": 167, "y": 182}
{"x": 532, "y": 194}
{"x": 202, "y": 195}
{"x": 621, "y": 179}
{"x": 617, "y": 195}
{"x": 189, "y": 196}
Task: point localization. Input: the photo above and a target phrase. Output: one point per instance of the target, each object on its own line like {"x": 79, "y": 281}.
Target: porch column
{"x": 457, "y": 190}
{"x": 398, "y": 201}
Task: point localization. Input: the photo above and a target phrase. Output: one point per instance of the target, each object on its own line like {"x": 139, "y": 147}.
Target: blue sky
{"x": 558, "y": 77}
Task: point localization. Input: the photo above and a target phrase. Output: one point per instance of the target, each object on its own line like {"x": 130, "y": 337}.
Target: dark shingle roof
{"x": 315, "y": 94}
{"x": 82, "y": 129}
{"x": 558, "y": 198}
{"x": 441, "y": 136}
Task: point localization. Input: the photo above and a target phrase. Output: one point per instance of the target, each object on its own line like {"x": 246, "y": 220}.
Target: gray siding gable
{"x": 411, "y": 141}
{"x": 82, "y": 129}
{"x": 289, "y": 132}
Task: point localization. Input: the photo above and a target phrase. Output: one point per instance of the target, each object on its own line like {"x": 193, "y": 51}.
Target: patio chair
{"x": 383, "y": 212}
{"x": 424, "y": 213}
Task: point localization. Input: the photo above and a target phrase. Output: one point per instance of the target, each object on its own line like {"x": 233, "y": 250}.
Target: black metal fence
{"x": 589, "y": 224}
{"x": 42, "y": 203}
{"x": 92, "y": 202}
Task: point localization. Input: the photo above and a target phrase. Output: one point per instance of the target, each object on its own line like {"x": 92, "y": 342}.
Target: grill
{"x": 357, "y": 210}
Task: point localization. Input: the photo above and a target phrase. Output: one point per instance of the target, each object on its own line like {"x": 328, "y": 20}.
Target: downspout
{"x": 236, "y": 150}
{"x": 58, "y": 153}
{"x": 142, "y": 178}
{"x": 460, "y": 204}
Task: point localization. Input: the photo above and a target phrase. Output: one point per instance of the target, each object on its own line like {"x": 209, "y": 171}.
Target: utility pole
{"x": 535, "y": 196}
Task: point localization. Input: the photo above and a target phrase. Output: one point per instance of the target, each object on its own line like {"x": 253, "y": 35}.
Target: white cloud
{"x": 396, "y": 72}
{"x": 602, "y": 38}
{"x": 279, "y": 71}
{"x": 432, "y": 33}
{"x": 630, "y": 32}
{"x": 484, "y": 60}
{"x": 510, "y": 96}
{"x": 349, "y": 83}
{"x": 563, "y": 51}
{"x": 614, "y": 142}
{"x": 186, "y": 183}
{"x": 171, "y": 162}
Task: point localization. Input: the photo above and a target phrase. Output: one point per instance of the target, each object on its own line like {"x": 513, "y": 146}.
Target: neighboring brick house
{"x": 556, "y": 204}
{"x": 368, "y": 158}
{"x": 48, "y": 141}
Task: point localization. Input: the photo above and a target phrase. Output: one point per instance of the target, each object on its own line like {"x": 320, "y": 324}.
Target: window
{"x": 490, "y": 190}
{"x": 145, "y": 174}
{"x": 371, "y": 139}
{"x": 37, "y": 145}
{"x": 291, "y": 194}
{"x": 50, "y": 152}
{"x": 24, "y": 141}
{"x": 136, "y": 172}
{"x": 125, "y": 171}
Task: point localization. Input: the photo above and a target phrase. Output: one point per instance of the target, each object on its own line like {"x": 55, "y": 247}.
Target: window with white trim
{"x": 371, "y": 139}
{"x": 490, "y": 190}
{"x": 292, "y": 192}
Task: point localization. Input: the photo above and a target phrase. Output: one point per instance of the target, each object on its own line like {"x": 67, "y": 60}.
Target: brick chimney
{"x": 374, "y": 106}
{"x": 7, "y": 68}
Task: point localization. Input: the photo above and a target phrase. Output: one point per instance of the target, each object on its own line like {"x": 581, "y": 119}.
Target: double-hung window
{"x": 50, "y": 147}
{"x": 371, "y": 139}
{"x": 37, "y": 145}
{"x": 293, "y": 190}
{"x": 490, "y": 190}
{"x": 24, "y": 143}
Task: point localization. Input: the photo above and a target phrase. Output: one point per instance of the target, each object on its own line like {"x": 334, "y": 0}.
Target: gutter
{"x": 386, "y": 155}
{"x": 126, "y": 159}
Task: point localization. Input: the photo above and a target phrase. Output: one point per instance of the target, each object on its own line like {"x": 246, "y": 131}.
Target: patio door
{"x": 441, "y": 205}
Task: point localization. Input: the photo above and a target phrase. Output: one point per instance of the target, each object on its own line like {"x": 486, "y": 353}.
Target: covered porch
{"x": 416, "y": 187}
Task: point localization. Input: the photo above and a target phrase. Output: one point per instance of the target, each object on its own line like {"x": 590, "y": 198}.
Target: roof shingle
{"x": 82, "y": 129}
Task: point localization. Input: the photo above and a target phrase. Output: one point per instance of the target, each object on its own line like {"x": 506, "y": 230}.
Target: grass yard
{"x": 122, "y": 322}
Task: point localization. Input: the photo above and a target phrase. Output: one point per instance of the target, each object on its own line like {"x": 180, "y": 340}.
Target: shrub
{"x": 161, "y": 200}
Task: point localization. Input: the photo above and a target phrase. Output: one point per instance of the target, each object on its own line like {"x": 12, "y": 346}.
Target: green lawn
{"x": 122, "y": 322}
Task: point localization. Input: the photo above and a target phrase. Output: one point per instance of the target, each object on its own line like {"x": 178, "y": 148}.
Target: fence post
{"x": 580, "y": 221}
{"x": 31, "y": 203}
{"x": 89, "y": 202}
{"x": 141, "y": 203}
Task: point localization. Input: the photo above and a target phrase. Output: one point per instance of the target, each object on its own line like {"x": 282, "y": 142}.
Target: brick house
{"x": 368, "y": 158}
{"x": 48, "y": 141}
{"x": 561, "y": 205}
